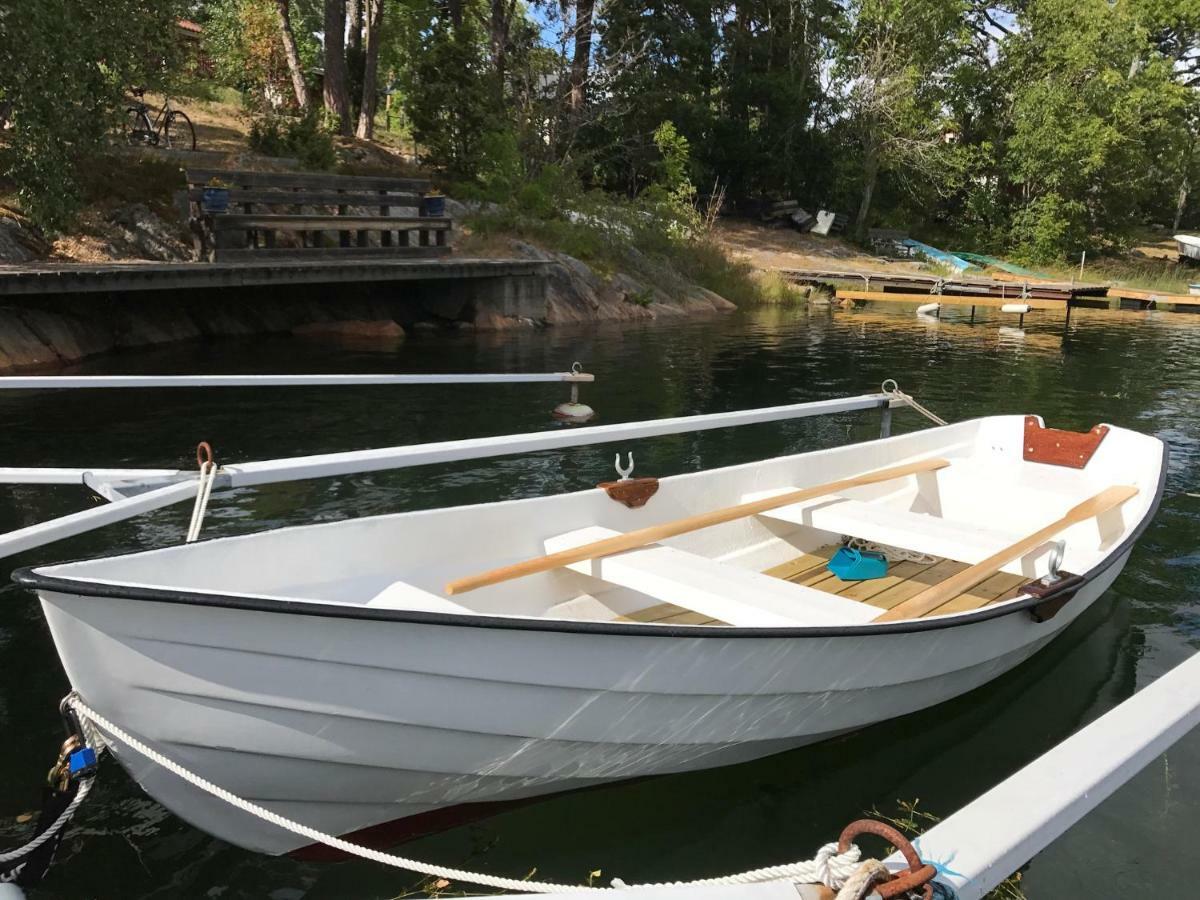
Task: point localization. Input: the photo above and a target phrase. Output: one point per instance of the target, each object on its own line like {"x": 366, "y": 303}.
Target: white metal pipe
{"x": 40, "y": 382}
{"x": 41, "y": 475}
{"x": 989, "y": 839}
{"x": 1018, "y": 308}
{"x": 354, "y": 461}
{"x": 77, "y": 523}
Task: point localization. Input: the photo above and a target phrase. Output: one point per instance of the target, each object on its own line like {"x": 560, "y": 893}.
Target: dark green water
{"x": 1138, "y": 370}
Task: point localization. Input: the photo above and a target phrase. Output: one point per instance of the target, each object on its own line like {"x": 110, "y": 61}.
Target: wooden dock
{"x": 1010, "y": 289}
{"x": 948, "y": 299}
{"x": 1152, "y": 298}
{"x": 73, "y": 278}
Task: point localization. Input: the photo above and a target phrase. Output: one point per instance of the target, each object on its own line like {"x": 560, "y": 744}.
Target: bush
{"x": 305, "y": 138}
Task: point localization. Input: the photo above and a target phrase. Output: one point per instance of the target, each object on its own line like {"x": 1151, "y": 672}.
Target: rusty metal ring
{"x": 918, "y": 875}
{"x": 204, "y": 454}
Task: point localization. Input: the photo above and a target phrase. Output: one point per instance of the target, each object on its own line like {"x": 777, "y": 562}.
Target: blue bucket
{"x": 214, "y": 200}
{"x": 849, "y": 564}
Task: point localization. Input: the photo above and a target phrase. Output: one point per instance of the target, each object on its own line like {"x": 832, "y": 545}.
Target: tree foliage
{"x": 65, "y": 66}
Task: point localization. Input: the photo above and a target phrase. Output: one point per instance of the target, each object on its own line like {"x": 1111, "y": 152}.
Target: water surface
{"x": 1137, "y": 370}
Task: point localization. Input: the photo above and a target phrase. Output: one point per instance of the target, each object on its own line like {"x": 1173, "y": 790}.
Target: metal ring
{"x": 204, "y": 454}
{"x": 919, "y": 874}
{"x": 1056, "y": 558}
{"x": 894, "y": 389}
{"x": 577, "y": 368}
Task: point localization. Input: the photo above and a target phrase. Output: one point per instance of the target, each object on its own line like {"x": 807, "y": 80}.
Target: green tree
{"x": 65, "y": 66}
{"x": 1099, "y": 123}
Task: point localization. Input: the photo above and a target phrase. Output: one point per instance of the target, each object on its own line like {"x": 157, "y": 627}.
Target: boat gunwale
{"x": 28, "y": 577}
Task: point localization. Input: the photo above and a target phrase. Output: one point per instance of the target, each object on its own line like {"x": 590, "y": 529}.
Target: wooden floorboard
{"x": 669, "y": 613}
{"x": 903, "y": 581}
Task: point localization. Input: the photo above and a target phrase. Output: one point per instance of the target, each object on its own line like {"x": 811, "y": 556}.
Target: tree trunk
{"x": 289, "y": 50}
{"x": 581, "y": 61}
{"x": 1180, "y": 203}
{"x": 870, "y": 176}
{"x": 337, "y": 97}
{"x": 373, "y": 20}
{"x": 356, "y": 62}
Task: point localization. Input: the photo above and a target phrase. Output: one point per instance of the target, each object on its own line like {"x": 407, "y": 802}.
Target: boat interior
{"x": 970, "y": 522}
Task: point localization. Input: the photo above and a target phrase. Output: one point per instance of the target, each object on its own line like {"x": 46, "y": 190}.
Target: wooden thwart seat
{"x": 964, "y": 541}
{"x": 709, "y": 588}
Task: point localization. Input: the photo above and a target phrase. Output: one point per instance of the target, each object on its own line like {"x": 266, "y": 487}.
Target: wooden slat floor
{"x": 903, "y": 580}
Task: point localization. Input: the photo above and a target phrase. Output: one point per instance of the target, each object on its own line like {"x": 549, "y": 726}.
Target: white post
{"x": 47, "y": 382}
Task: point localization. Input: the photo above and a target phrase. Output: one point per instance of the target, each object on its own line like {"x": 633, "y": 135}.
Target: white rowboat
{"x": 407, "y": 667}
{"x": 1188, "y": 246}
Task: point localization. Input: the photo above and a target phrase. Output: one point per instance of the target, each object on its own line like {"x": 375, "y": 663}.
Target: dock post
{"x": 1067, "y": 321}
{"x": 972, "y": 315}
{"x": 1021, "y": 320}
{"x": 885, "y": 419}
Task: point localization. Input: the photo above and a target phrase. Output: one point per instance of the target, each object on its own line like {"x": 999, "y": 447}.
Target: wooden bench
{"x": 275, "y": 215}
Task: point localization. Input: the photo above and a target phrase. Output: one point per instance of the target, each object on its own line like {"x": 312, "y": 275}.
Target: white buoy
{"x": 1018, "y": 308}
{"x": 926, "y": 309}
{"x": 573, "y": 411}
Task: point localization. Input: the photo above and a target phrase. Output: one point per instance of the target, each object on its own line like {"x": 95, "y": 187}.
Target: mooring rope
{"x": 208, "y": 474}
{"x": 64, "y": 817}
{"x": 895, "y": 393}
{"x": 828, "y": 867}
{"x": 888, "y": 552}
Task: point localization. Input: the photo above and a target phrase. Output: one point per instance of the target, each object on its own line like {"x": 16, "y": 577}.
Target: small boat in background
{"x": 399, "y": 667}
{"x": 1188, "y": 246}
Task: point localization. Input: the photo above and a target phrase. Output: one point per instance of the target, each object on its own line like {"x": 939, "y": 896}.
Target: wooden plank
{"x": 948, "y": 299}
{"x": 1157, "y": 296}
{"x": 934, "y": 597}
{"x": 309, "y": 180}
{"x": 328, "y": 254}
{"x": 669, "y": 612}
{"x": 864, "y": 591}
{"x": 982, "y": 594}
{"x": 802, "y": 564}
{"x": 915, "y": 584}
{"x": 316, "y": 198}
{"x": 654, "y": 533}
{"x": 285, "y": 222}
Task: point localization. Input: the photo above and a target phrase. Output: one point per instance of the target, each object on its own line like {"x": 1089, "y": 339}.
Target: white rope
{"x": 208, "y": 474}
{"x": 895, "y": 393}
{"x": 890, "y": 553}
{"x": 64, "y": 817}
{"x": 828, "y": 867}
{"x": 858, "y": 885}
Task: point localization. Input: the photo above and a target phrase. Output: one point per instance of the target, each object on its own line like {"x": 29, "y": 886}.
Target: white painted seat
{"x": 723, "y": 592}
{"x": 963, "y": 541}
{"x": 402, "y": 595}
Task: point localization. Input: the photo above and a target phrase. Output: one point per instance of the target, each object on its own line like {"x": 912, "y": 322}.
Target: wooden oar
{"x": 933, "y": 597}
{"x": 654, "y": 533}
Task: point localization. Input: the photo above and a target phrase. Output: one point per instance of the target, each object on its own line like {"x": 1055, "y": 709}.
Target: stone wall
{"x": 47, "y": 331}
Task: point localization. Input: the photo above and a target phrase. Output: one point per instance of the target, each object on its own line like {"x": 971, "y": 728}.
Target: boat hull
{"x": 347, "y": 723}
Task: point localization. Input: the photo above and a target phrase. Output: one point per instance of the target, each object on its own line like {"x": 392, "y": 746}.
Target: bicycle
{"x": 171, "y": 127}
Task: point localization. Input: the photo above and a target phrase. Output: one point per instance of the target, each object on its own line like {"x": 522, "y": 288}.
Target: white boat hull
{"x": 356, "y": 723}
{"x": 263, "y": 664}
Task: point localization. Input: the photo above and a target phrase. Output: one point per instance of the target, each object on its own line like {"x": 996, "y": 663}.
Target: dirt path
{"x": 785, "y": 248}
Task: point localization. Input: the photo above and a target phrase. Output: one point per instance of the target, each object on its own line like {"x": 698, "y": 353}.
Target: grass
{"x": 911, "y": 821}
{"x": 1162, "y": 275}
